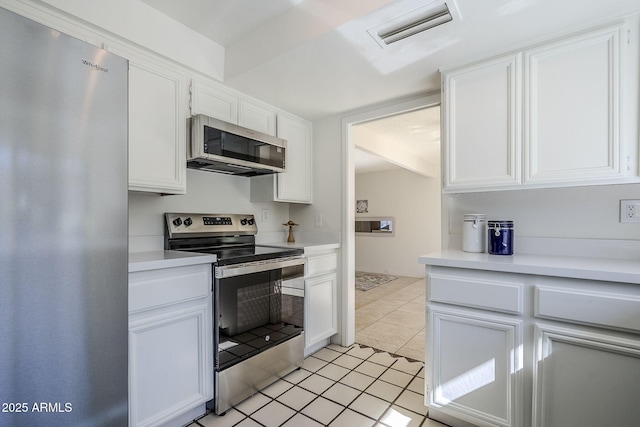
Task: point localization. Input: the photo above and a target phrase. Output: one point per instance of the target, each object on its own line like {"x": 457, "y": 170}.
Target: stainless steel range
{"x": 258, "y": 302}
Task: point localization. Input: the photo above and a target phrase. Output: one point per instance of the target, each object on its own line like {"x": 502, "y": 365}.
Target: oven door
{"x": 256, "y": 306}
{"x": 258, "y": 327}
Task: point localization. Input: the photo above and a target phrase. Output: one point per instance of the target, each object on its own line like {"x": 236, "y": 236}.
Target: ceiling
{"x": 315, "y": 58}
{"x": 416, "y": 133}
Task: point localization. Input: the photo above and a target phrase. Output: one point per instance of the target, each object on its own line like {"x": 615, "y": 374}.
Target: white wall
{"x": 207, "y": 192}
{"x": 414, "y": 202}
{"x": 572, "y": 213}
{"x": 140, "y": 23}
{"x": 576, "y": 212}
{"x": 327, "y": 180}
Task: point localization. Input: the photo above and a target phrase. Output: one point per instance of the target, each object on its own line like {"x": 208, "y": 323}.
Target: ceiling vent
{"x": 413, "y": 23}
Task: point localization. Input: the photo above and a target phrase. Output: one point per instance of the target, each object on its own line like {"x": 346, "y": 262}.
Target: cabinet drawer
{"x": 609, "y": 310}
{"x": 321, "y": 264}
{"x": 492, "y": 295}
{"x": 156, "y": 288}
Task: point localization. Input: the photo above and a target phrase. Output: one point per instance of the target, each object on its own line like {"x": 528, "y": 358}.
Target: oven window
{"x": 255, "y": 312}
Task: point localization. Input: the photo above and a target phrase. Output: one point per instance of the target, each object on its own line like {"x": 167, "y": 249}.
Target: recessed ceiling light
{"x": 414, "y": 22}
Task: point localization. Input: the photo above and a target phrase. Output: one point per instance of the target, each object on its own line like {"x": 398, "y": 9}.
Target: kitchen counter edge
{"x": 155, "y": 260}
{"x": 308, "y": 247}
{"x": 612, "y": 270}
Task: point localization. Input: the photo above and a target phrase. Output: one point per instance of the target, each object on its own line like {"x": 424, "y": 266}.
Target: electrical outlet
{"x": 265, "y": 215}
{"x": 318, "y": 220}
{"x": 629, "y": 210}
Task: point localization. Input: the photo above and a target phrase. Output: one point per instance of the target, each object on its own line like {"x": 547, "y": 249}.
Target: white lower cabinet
{"x": 477, "y": 367}
{"x": 321, "y": 298}
{"x": 506, "y": 349}
{"x": 585, "y": 378}
{"x": 170, "y": 344}
{"x": 322, "y": 317}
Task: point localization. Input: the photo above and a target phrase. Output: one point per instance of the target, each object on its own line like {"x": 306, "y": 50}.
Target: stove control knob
{"x": 251, "y": 221}
{"x": 177, "y": 222}
{"x": 188, "y": 222}
{"x": 243, "y": 221}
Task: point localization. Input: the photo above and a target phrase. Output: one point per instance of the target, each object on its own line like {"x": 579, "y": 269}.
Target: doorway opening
{"x": 412, "y": 202}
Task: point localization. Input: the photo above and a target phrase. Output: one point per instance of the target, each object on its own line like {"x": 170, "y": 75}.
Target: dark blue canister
{"x": 500, "y": 237}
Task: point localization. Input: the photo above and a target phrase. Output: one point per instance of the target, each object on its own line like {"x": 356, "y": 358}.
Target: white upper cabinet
{"x": 546, "y": 116}
{"x": 157, "y": 125}
{"x": 256, "y": 116}
{"x": 216, "y": 102}
{"x": 161, "y": 102}
{"x": 227, "y": 105}
{"x": 295, "y": 184}
{"x": 482, "y": 109}
{"x": 572, "y": 109}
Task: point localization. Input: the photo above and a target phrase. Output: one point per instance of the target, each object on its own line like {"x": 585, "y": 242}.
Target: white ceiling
{"x": 315, "y": 58}
{"x": 415, "y": 132}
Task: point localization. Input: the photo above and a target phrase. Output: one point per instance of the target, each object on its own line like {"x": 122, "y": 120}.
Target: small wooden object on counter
{"x": 291, "y": 239}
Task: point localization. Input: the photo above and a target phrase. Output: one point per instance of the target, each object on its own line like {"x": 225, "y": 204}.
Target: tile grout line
{"x": 387, "y": 368}
{"x": 406, "y": 387}
{"x": 343, "y": 407}
{"x": 360, "y": 392}
{"x": 415, "y": 288}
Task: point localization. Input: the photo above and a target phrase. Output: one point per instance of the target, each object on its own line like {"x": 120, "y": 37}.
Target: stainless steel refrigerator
{"x": 63, "y": 229}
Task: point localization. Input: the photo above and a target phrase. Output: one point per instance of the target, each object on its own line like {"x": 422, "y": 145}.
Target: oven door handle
{"x": 234, "y": 270}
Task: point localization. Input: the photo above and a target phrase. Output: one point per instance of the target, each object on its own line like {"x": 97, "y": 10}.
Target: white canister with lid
{"x": 474, "y": 232}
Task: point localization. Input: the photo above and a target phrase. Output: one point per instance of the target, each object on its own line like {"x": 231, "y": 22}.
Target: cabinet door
{"x": 572, "y": 117}
{"x": 257, "y": 117}
{"x": 482, "y": 135}
{"x": 585, "y": 379}
{"x": 476, "y": 367}
{"x": 157, "y": 129}
{"x": 216, "y": 102}
{"x": 169, "y": 368}
{"x": 294, "y": 185}
{"x": 321, "y": 308}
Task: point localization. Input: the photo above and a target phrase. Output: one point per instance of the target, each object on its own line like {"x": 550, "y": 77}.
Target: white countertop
{"x": 626, "y": 271}
{"x": 154, "y": 260}
{"x": 315, "y": 246}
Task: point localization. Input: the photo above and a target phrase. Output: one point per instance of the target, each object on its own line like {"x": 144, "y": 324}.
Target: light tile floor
{"x": 391, "y": 317}
{"x": 337, "y": 386}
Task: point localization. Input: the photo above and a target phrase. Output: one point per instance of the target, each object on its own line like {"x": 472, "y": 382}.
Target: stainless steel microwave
{"x": 218, "y": 146}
